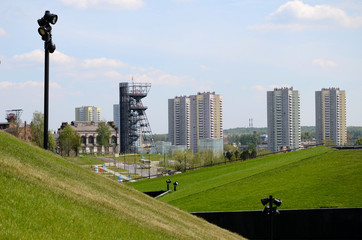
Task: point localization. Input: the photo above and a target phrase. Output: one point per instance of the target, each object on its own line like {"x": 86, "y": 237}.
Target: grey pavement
{"x": 131, "y": 168}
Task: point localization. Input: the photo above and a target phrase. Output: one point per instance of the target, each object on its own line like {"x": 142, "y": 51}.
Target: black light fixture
{"x": 168, "y": 184}
{"x": 45, "y": 31}
{"x": 271, "y": 210}
{"x": 174, "y": 185}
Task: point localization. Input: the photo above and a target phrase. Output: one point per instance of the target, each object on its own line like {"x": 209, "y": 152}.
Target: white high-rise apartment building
{"x": 88, "y": 114}
{"x": 283, "y": 119}
{"x": 331, "y": 116}
{"x": 179, "y": 121}
{"x": 193, "y": 118}
{"x": 116, "y": 116}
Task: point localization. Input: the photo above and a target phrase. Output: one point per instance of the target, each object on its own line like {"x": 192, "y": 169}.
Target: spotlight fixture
{"x": 168, "y": 183}
{"x": 175, "y": 185}
{"x": 45, "y": 30}
{"x": 277, "y": 202}
{"x": 50, "y": 46}
{"x": 271, "y": 210}
{"x": 51, "y": 18}
{"x": 271, "y": 201}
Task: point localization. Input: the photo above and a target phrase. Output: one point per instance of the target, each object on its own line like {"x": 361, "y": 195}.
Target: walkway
{"x": 131, "y": 168}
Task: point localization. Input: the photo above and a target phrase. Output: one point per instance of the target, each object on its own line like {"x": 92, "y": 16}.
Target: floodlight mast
{"x": 271, "y": 211}
{"x": 45, "y": 31}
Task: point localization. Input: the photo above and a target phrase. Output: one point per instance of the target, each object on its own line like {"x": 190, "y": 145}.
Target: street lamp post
{"x": 175, "y": 185}
{"x": 168, "y": 184}
{"x": 45, "y": 31}
{"x": 149, "y": 169}
{"x": 271, "y": 211}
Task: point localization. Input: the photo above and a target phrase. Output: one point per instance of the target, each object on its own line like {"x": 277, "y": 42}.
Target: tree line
{"x": 68, "y": 140}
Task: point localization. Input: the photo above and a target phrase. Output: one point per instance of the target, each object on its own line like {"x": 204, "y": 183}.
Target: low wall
{"x": 344, "y": 223}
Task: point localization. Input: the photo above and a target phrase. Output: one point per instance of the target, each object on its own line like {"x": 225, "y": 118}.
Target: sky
{"x": 239, "y": 49}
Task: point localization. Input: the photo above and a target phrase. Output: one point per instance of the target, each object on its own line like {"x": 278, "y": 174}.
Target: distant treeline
{"x": 353, "y": 132}
{"x": 308, "y": 132}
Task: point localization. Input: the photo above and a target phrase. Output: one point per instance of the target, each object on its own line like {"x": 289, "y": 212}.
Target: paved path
{"x": 131, "y": 168}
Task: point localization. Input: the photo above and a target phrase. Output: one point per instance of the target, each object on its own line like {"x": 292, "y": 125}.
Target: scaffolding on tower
{"x": 13, "y": 114}
{"x": 135, "y": 130}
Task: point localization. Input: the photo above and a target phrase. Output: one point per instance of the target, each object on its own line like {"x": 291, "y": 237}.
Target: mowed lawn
{"x": 320, "y": 177}
{"x": 45, "y": 196}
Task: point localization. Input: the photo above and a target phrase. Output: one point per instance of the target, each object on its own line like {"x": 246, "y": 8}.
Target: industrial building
{"x": 130, "y": 115}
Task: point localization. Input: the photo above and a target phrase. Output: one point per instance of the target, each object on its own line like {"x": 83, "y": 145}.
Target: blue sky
{"x": 237, "y": 48}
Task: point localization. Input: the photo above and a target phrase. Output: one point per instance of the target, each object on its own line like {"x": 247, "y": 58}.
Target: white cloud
{"x": 204, "y": 67}
{"x": 100, "y": 69}
{"x": 324, "y": 63}
{"x": 2, "y": 32}
{"x": 26, "y": 85}
{"x": 273, "y": 26}
{"x": 37, "y": 55}
{"x": 159, "y": 77}
{"x": 61, "y": 58}
{"x": 296, "y": 15}
{"x": 103, "y": 62}
{"x": 153, "y": 76}
{"x": 114, "y": 74}
{"x": 259, "y": 88}
{"x": 299, "y": 10}
{"x": 105, "y": 4}
{"x": 33, "y": 56}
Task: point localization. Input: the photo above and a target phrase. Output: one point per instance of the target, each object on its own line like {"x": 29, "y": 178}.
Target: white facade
{"x": 179, "y": 121}
{"x": 331, "y": 116}
{"x": 87, "y": 113}
{"x": 195, "y": 117}
{"x": 283, "y": 119}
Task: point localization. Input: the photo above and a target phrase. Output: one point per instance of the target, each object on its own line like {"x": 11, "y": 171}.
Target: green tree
{"x": 329, "y": 142}
{"x": 229, "y": 155}
{"x": 237, "y": 154}
{"x": 69, "y": 140}
{"x": 188, "y": 156}
{"x": 358, "y": 142}
{"x": 15, "y": 125}
{"x": 307, "y": 135}
{"x": 245, "y": 154}
{"x": 229, "y": 147}
{"x": 51, "y": 141}
{"x": 160, "y": 137}
{"x": 253, "y": 153}
{"x": 37, "y": 128}
{"x": 103, "y": 134}
{"x": 37, "y": 131}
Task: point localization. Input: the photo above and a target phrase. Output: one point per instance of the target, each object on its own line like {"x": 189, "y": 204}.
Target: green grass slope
{"x": 44, "y": 196}
{"x": 312, "y": 178}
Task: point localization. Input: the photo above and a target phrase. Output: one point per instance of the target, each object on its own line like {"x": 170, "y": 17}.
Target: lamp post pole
{"x": 46, "y": 96}
{"x": 45, "y": 31}
{"x": 149, "y": 169}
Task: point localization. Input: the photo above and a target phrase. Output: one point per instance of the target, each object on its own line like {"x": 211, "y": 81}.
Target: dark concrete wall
{"x": 343, "y": 223}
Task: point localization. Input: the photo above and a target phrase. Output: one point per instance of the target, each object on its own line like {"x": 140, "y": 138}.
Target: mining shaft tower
{"x": 135, "y": 130}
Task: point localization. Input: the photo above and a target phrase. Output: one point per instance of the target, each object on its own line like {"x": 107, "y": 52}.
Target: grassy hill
{"x": 312, "y": 178}
{"x": 44, "y": 196}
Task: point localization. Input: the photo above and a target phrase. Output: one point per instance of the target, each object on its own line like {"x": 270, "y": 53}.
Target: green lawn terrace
{"x": 45, "y": 196}
{"x": 320, "y": 177}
